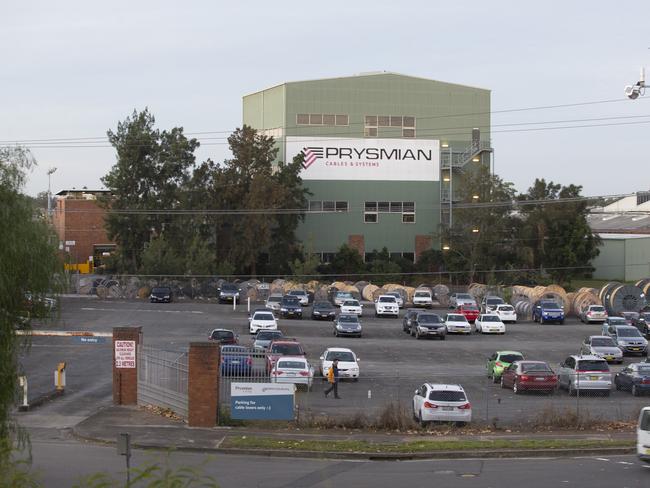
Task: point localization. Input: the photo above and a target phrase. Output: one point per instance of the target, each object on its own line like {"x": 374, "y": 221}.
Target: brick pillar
{"x": 202, "y": 389}
{"x": 125, "y": 379}
{"x": 358, "y": 242}
{"x": 422, "y": 243}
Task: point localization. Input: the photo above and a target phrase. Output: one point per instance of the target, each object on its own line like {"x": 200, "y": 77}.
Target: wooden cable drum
{"x": 353, "y": 290}
{"x": 624, "y": 298}
{"x": 368, "y": 292}
{"x": 360, "y": 285}
{"x": 524, "y": 309}
{"x": 312, "y": 286}
{"x": 570, "y": 297}
{"x": 339, "y": 285}
{"x": 441, "y": 290}
{"x": 321, "y": 293}
{"x": 409, "y": 290}
{"x": 582, "y": 300}
{"x": 377, "y": 292}
{"x": 606, "y": 289}
{"x": 644, "y": 285}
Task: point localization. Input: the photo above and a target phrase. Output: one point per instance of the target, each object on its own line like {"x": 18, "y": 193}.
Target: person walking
{"x": 333, "y": 379}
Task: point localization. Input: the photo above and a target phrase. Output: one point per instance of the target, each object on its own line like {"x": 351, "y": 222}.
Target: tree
{"x": 29, "y": 263}
{"x": 347, "y": 261}
{"x": 151, "y": 170}
{"x": 557, "y": 235}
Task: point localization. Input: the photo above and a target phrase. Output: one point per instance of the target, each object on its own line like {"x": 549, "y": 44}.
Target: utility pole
{"x": 49, "y": 191}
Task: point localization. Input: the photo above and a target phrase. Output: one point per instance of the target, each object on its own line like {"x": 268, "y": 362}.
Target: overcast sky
{"x": 74, "y": 69}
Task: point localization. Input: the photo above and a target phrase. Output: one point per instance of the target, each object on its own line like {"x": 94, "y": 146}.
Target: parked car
{"x": 352, "y": 307}
{"x": 293, "y": 369}
{"x": 301, "y": 295}
{"x": 422, "y": 298}
{"x": 262, "y": 320}
{"x": 628, "y": 338}
{"x": 643, "y": 435}
{"x": 160, "y": 294}
{"x": 398, "y": 298}
{"x": 614, "y": 320}
{"x": 471, "y": 312}
{"x": 347, "y": 325}
{"x": 489, "y": 323}
{"x": 323, "y": 310}
{"x": 428, "y": 325}
{"x": 634, "y": 378}
{"x": 593, "y": 313}
{"x": 236, "y": 361}
{"x": 409, "y": 316}
{"x": 223, "y": 336}
{"x": 529, "y": 375}
{"x": 490, "y": 303}
{"x": 588, "y": 373}
{"x": 499, "y": 361}
{"x": 643, "y": 324}
{"x": 602, "y": 346}
{"x": 456, "y": 323}
{"x": 545, "y": 311}
{"x": 273, "y": 302}
{"x": 630, "y": 317}
{"x": 290, "y": 307}
{"x": 228, "y": 292}
{"x": 441, "y": 403}
{"x": 458, "y": 299}
{"x": 341, "y": 296}
{"x": 506, "y": 313}
{"x": 282, "y": 347}
{"x": 265, "y": 337}
{"x": 386, "y": 305}
{"x": 348, "y": 362}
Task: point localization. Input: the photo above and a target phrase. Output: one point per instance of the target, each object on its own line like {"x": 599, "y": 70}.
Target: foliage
{"x": 379, "y": 263}
{"x": 161, "y": 258}
{"x": 306, "y": 265}
{"x": 347, "y": 263}
{"x": 29, "y": 262}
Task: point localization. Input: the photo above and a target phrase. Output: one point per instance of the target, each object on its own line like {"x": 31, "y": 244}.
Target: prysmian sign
{"x": 330, "y": 158}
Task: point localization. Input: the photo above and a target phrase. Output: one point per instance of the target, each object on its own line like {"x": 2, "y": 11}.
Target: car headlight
{"x": 339, "y": 326}
{"x": 316, "y": 312}
{"x": 299, "y": 310}
{"x": 283, "y": 309}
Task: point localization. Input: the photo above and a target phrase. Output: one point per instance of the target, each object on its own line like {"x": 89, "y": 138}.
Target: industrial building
{"x": 381, "y": 154}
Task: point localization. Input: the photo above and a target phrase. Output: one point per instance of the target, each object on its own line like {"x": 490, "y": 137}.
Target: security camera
{"x": 632, "y": 92}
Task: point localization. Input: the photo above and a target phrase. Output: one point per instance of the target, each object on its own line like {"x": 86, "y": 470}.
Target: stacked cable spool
{"x": 441, "y": 293}
{"x": 582, "y": 299}
{"x": 525, "y": 297}
{"x": 618, "y": 298}
{"x": 644, "y": 285}
{"x": 368, "y": 292}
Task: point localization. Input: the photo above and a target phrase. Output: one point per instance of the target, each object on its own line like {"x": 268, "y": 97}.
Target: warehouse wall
{"x": 623, "y": 259}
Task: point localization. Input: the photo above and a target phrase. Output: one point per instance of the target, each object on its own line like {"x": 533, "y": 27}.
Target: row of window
{"x": 327, "y": 206}
{"x": 373, "y": 209}
{"x": 328, "y": 257}
{"x": 322, "y": 119}
{"x": 404, "y": 122}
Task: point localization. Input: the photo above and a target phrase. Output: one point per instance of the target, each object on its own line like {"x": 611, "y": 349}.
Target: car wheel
{"x": 561, "y": 322}
{"x": 515, "y": 388}
{"x": 495, "y": 378}
{"x": 635, "y": 391}
{"x": 443, "y": 337}
{"x": 607, "y": 393}
{"x": 417, "y": 335}
{"x": 616, "y": 385}
{"x": 572, "y": 391}
{"x": 541, "y": 320}
{"x": 422, "y": 422}
{"x": 503, "y": 385}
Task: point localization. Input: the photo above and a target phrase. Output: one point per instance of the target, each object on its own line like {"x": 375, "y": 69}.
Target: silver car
{"x": 628, "y": 338}
{"x": 585, "y": 373}
{"x": 273, "y": 302}
{"x": 603, "y": 347}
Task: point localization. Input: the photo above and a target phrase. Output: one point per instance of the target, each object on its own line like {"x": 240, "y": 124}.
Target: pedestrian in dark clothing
{"x": 333, "y": 378}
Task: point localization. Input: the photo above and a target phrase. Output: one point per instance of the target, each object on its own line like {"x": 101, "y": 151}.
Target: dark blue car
{"x": 634, "y": 378}
{"x": 236, "y": 361}
{"x": 546, "y": 311}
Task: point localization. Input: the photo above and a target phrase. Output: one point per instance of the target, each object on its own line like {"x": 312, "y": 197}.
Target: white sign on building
{"x": 125, "y": 354}
{"x": 331, "y": 158}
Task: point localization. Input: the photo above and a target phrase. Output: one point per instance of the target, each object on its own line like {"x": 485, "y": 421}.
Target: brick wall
{"x": 203, "y": 393}
{"x": 422, "y": 243}
{"x": 358, "y": 242}
{"x": 125, "y": 380}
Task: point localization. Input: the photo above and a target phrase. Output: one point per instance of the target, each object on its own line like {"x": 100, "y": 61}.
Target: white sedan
{"x": 489, "y": 323}
{"x": 293, "y": 369}
{"x": 506, "y": 313}
{"x": 457, "y": 323}
{"x": 352, "y": 307}
{"x": 348, "y": 362}
{"x": 262, "y": 320}
{"x": 441, "y": 403}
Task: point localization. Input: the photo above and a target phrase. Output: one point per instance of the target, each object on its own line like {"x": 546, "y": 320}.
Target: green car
{"x": 499, "y": 361}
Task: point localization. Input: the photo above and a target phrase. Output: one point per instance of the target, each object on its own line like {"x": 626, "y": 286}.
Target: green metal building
{"x": 378, "y": 149}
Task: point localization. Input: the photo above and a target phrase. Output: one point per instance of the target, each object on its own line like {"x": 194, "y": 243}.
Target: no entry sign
{"x": 125, "y": 354}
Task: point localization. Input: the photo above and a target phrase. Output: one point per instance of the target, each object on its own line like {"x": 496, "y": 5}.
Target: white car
{"x": 352, "y": 307}
{"x": 506, "y": 313}
{"x": 398, "y": 297}
{"x": 457, "y": 323}
{"x": 262, "y": 320}
{"x": 341, "y": 296}
{"x": 300, "y": 295}
{"x": 348, "y": 362}
{"x": 490, "y": 303}
{"x": 273, "y": 302}
{"x": 422, "y": 298}
{"x": 293, "y": 369}
{"x": 386, "y": 305}
{"x": 489, "y": 323}
{"x": 443, "y": 403}
{"x": 458, "y": 299}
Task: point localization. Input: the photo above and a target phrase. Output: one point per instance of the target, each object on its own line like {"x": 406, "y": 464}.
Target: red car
{"x": 282, "y": 347}
{"x": 529, "y": 375}
{"x": 471, "y": 312}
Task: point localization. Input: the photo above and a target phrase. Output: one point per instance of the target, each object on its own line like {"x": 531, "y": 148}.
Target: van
{"x": 643, "y": 435}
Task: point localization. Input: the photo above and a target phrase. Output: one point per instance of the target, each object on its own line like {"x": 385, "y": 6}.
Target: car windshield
{"x": 292, "y": 365}
{"x": 490, "y": 318}
{"x": 597, "y": 308}
{"x": 470, "y": 308}
{"x": 428, "y": 318}
{"x": 592, "y": 365}
{"x": 387, "y": 299}
{"x": 464, "y": 296}
{"x": 343, "y": 294}
{"x": 506, "y": 308}
{"x": 274, "y": 299}
{"x": 456, "y": 318}
{"x": 161, "y": 290}
{"x": 510, "y": 358}
{"x": 644, "y": 370}
{"x": 628, "y": 332}
{"x": 494, "y": 301}
{"x": 351, "y": 303}
{"x": 340, "y": 355}
{"x": 297, "y": 293}
{"x": 550, "y": 305}
{"x": 287, "y": 349}
{"x": 267, "y": 335}
{"x": 290, "y": 301}
{"x": 603, "y": 342}
{"x": 263, "y": 316}
{"x": 617, "y": 320}
{"x": 322, "y": 305}
{"x": 228, "y": 287}
{"x": 535, "y": 367}
{"x": 222, "y": 334}
{"x": 348, "y": 319}
{"x": 421, "y": 294}
{"x": 447, "y": 396}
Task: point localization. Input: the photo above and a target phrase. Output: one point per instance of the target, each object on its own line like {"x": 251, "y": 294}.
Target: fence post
{"x": 125, "y": 364}
{"x": 202, "y": 389}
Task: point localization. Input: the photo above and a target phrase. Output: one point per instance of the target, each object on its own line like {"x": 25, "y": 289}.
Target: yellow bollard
{"x": 59, "y": 377}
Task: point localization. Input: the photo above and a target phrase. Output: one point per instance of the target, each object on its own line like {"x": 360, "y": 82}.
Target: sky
{"x": 75, "y": 69}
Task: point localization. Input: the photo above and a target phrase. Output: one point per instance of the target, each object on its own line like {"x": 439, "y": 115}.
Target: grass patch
{"x": 266, "y": 443}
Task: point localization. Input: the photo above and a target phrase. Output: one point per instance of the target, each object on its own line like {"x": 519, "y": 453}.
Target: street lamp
{"x": 49, "y": 191}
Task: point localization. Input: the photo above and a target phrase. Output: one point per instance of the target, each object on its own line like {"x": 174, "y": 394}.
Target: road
{"x": 62, "y": 463}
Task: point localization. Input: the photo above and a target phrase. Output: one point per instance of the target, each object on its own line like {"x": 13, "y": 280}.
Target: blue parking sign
{"x": 262, "y": 401}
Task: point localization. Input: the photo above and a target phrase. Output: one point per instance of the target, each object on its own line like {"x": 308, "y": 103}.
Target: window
{"x": 322, "y": 119}
{"x": 302, "y": 119}
{"x": 315, "y": 206}
{"x": 408, "y": 218}
{"x": 329, "y": 206}
{"x": 370, "y": 126}
{"x": 410, "y": 256}
{"x": 370, "y": 132}
{"x": 408, "y": 213}
{"x": 371, "y": 121}
{"x": 329, "y": 119}
{"x": 370, "y": 218}
{"x": 371, "y": 207}
{"x": 315, "y": 119}
{"x": 383, "y": 120}
{"x": 342, "y": 120}
{"x": 395, "y": 121}
{"x": 395, "y": 207}
{"x": 384, "y": 207}
{"x": 395, "y": 255}
{"x": 341, "y": 206}
{"x": 328, "y": 257}
{"x": 409, "y": 121}
{"x": 408, "y": 133}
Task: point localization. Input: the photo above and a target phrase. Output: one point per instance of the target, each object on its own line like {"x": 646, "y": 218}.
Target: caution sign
{"x": 125, "y": 354}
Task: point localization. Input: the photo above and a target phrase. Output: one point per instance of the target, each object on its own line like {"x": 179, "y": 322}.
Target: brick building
{"x": 79, "y": 223}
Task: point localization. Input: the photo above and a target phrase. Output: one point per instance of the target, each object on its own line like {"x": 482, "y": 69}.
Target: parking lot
{"x": 393, "y": 364}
